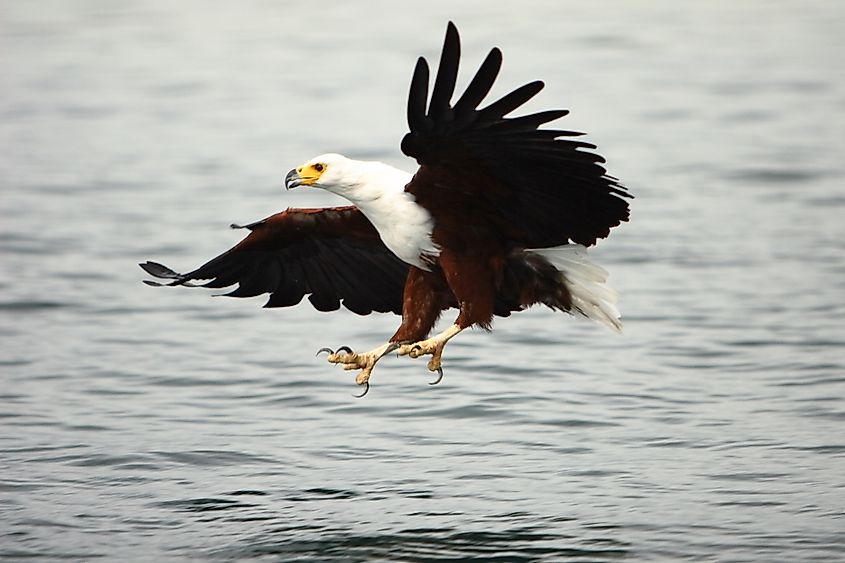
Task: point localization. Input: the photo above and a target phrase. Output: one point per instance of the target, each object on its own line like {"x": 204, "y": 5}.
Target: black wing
{"x": 333, "y": 254}
{"x": 543, "y": 186}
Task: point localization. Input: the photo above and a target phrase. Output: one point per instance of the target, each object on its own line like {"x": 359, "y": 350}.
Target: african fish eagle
{"x": 495, "y": 219}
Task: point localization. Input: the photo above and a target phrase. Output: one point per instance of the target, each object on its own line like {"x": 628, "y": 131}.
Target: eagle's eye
{"x": 319, "y": 167}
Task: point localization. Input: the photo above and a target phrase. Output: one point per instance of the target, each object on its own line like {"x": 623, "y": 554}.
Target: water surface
{"x": 150, "y": 424}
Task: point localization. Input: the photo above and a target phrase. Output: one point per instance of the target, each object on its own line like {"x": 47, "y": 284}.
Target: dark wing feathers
{"x": 333, "y": 255}
{"x": 447, "y": 75}
{"x": 509, "y": 102}
{"x": 418, "y": 97}
{"x": 544, "y": 186}
{"x": 527, "y": 123}
{"x": 481, "y": 83}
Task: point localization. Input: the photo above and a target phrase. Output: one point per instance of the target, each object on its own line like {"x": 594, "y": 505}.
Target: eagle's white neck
{"x": 378, "y": 190}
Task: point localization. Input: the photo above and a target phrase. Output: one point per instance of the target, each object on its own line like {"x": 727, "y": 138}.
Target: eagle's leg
{"x": 365, "y": 361}
{"x": 431, "y": 346}
{"x": 426, "y": 295}
{"x": 421, "y": 305}
{"x": 471, "y": 281}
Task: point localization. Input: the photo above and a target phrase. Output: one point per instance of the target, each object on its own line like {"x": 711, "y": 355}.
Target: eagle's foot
{"x": 431, "y": 346}
{"x": 365, "y": 361}
{"x": 427, "y": 347}
{"x": 350, "y": 360}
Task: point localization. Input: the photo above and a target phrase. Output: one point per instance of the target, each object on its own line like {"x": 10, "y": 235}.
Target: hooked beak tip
{"x": 292, "y": 180}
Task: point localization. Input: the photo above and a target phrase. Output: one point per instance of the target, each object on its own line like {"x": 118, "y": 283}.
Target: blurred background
{"x": 153, "y": 424}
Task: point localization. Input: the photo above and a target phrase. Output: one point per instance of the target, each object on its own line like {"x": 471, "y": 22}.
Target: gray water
{"x": 151, "y": 424}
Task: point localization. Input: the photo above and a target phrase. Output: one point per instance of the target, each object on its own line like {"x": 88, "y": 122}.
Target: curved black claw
{"x": 366, "y": 390}
{"x": 439, "y": 377}
{"x": 329, "y": 351}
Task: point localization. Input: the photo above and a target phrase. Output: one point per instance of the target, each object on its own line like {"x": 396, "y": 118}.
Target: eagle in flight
{"x": 496, "y": 218}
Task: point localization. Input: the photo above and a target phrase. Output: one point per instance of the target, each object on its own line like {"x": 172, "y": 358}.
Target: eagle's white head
{"x": 353, "y": 179}
{"x": 324, "y": 171}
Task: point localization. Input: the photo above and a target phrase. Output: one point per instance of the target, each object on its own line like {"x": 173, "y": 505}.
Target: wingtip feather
{"x": 511, "y": 101}
{"x": 418, "y": 95}
{"x": 447, "y": 73}
{"x": 481, "y": 83}
{"x": 159, "y": 270}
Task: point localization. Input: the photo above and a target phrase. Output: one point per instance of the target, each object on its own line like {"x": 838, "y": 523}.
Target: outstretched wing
{"x": 334, "y": 254}
{"x": 541, "y": 185}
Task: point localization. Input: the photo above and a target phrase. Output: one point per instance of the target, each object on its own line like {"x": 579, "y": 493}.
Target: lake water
{"x": 148, "y": 424}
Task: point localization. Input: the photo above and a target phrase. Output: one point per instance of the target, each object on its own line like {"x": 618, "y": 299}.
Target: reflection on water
{"x": 159, "y": 424}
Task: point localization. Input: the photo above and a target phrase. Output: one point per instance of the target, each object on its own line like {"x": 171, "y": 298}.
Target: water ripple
{"x": 430, "y": 544}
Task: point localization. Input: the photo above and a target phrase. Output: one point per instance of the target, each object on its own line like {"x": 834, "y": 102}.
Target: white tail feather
{"x": 586, "y": 282}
